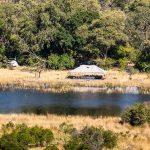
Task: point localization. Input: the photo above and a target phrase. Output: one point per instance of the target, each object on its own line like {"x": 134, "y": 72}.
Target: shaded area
{"x": 63, "y": 110}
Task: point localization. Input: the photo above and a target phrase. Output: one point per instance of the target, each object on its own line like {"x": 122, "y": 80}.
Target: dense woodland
{"x": 62, "y": 34}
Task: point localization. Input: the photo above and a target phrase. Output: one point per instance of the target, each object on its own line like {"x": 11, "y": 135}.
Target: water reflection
{"x": 63, "y": 110}
{"x": 71, "y": 103}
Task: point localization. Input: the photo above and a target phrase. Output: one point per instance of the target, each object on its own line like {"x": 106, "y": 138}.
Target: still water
{"x": 71, "y": 103}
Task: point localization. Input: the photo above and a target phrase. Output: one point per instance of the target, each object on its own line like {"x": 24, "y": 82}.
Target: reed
{"x": 57, "y": 80}
{"x": 135, "y": 138}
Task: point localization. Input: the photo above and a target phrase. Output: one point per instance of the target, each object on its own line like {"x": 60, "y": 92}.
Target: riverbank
{"x": 135, "y": 138}
{"x": 57, "y": 81}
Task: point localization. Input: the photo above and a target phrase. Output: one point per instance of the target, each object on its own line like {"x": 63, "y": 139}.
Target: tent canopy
{"x": 13, "y": 63}
{"x": 88, "y": 70}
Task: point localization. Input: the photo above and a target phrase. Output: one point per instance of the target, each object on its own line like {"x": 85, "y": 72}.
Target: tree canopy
{"x": 83, "y": 30}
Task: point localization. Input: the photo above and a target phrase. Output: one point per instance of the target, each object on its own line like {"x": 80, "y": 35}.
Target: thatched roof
{"x": 87, "y": 70}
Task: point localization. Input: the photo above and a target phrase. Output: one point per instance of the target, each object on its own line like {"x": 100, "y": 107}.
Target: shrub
{"x": 105, "y": 63}
{"x": 67, "y": 128}
{"x": 148, "y": 112}
{"x": 53, "y": 61}
{"x": 10, "y": 142}
{"x": 7, "y": 128}
{"x": 23, "y": 137}
{"x": 122, "y": 63}
{"x": 110, "y": 139}
{"x": 3, "y": 61}
{"x": 51, "y": 147}
{"x": 27, "y": 60}
{"x": 135, "y": 115}
{"x": 66, "y": 61}
{"x": 148, "y": 115}
{"x": 41, "y": 135}
{"x": 92, "y": 138}
{"x": 143, "y": 66}
{"x": 60, "y": 62}
{"x": 126, "y": 52}
{"x": 143, "y": 63}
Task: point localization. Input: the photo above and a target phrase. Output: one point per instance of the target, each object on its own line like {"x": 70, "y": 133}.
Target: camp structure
{"x": 13, "y": 63}
{"x": 87, "y": 71}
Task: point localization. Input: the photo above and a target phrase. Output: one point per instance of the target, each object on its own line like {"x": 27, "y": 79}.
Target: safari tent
{"x": 87, "y": 71}
{"x": 13, "y": 63}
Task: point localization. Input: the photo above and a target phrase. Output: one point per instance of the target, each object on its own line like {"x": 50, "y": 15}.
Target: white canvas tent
{"x": 87, "y": 70}
{"x": 13, "y": 63}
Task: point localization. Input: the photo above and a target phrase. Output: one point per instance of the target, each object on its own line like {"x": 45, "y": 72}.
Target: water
{"x": 71, "y": 103}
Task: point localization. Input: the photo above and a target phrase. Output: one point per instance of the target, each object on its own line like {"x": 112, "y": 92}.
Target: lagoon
{"x": 69, "y": 103}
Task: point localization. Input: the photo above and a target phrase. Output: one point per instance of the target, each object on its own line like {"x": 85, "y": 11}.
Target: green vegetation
{"x": 21, "y": 137}
{"x": 65, "y": 33}
{"x": 91, "y": 138}
{"x": 137, "y": 114}
{"x": 60, "y": 61}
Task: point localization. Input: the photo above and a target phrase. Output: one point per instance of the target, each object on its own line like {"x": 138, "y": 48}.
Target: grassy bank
{"x": 57, "y": 80}
{"x": 135, "y": 138}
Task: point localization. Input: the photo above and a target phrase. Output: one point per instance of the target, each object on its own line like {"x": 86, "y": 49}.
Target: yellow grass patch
{"x": 22, "y": 77}
{"x": 135, "y": 138}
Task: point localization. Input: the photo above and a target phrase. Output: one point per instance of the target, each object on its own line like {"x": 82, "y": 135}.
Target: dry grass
{"x": 134, "y": 138}
{"x": 21, "y": 77}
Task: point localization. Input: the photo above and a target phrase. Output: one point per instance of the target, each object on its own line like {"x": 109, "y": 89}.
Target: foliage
{"x": 143, "y": 62}
{"x": 53, "y": 61}
{"x": 41, "y": 136}
{"x": 27, "y": 60}
{"x": 22, "y": 137}
{"x": 110, "y": 139}
{"x": 60, "y": 62}
{"x": 126, "y": 52}
{"x": 51, "y": 147}
{"x": 105, "y": 63}
{"x": 148, "y": 113}
{"x": 122, "y": 63}
{"x": 92, "y": 138}
{"x": 136, "y": 115}
{"x": 67, "y": 128}
{"x": 56, "y": 30}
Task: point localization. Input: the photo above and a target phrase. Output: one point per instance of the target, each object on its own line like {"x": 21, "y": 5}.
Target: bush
{"x": 3, "y": 61}
{"x": 148, "y": 112}
{"x": 148, "y": 115}
{"x": 122, "y": 63}
{"x": 41, "y": 136}
{"x": 143, "y": 63}
{"x": 66, "y": 61}
{"x": 10, "y": 142}
{"x": 27, "y": 60}
{"x": 67, "y": 128}
{"x": 60, "y": 62}
{"x": 51, "y": 147}
{"x": 143, "y": 66}
{"x": 127, "y": 52}
{"x": 105, "y": 63}
{"x": 110, "y": 139}
{"x": 135, "y": 115}
{"x": 23, "y": 137}
{"x": 53, "y": 61}
{"x": 92, "y": 138}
